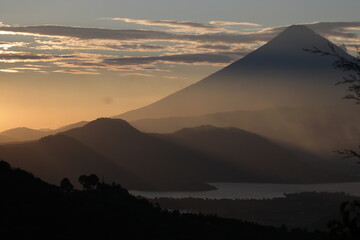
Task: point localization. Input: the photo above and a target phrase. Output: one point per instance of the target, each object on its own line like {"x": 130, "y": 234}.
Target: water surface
{"x": 256, "y": 190}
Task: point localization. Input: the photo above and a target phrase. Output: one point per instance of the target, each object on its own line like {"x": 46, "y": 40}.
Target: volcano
{"x": 278, "y": 74}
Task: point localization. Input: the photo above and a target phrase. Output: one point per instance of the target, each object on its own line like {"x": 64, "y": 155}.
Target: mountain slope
{"x": 55, "y": 157}
{"x": 113, "y": 149}
{"x": 23, "y": 134}
{"x": 70, "y": 126}
{"x": 319, "y": 131}
{"x": 6, "y": 139}
{"x": 280, "y": 73}
{"x": 185, "y": 160}
{"x": 256, "y": 158}
{"x": 153, "y": 160}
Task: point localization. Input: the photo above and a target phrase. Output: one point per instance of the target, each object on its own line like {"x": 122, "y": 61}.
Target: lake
{"x": 256, "y": 190}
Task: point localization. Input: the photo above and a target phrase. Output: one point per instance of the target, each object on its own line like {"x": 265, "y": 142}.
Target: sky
{"x": 68, "y": 61}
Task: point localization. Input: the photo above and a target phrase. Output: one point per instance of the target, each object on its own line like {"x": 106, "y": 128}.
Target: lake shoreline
{"x": 255, "y": 190}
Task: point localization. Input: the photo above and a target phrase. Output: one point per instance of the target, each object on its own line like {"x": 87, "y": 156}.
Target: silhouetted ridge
{"x": 56, "y": 139}
{"x": 108, "y": 125}
{"x": 211, "y": 128}
{"x": 298, "y": 37}
{"x": 17, "y": 182}
{"x": 286, "y": 52}
{"x": 297, "y": 31}
{"x": 33, "y": 209}
{"x": 24, "y": 134}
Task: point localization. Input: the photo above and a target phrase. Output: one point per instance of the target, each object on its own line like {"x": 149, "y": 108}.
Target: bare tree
{"x": 349, "y": 227}
{"x": 351, "y": 65}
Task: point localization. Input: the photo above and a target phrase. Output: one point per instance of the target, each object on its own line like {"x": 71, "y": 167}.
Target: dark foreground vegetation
{"x": 33, "y": 209}
{"x": 310, "y": 210}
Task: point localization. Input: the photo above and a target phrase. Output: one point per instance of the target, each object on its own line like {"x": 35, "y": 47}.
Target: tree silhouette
{"x": 66, "y": 185}
{"x": 89, "y": 182}
{"x": 352, "y": 80}
{"x": 4, "y": 165}
{"x": 349, "y": 227}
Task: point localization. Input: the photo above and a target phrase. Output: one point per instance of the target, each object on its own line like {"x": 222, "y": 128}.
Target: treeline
{"x": 311, "y": 210}
{"x": 33, "y": 209}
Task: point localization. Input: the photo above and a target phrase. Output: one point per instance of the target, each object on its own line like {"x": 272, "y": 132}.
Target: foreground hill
{"x": 113, "y": 149}
{"x": 33, "y": 209}
{"x": 185, "y": 160}
{"x": 55, "y": 157}
{"x": 154, "y": 161}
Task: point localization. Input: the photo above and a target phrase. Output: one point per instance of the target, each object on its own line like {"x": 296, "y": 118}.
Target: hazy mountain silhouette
{"x": 159, "y": 163}
{"x": 55, "y": 157}
{"x": 256, "y": 158}
{"x": 70, "y": 126}
{"x": 6, "y": 139}
{"x": 280, "y": 73}
{"x": 312, "y": 129}
{"x": 113, "y": 149}
{"x": 184, "y": 160}
{"x": 22, "y": 134}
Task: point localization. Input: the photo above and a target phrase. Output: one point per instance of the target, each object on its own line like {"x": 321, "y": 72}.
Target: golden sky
{"x": 57, "y": 70}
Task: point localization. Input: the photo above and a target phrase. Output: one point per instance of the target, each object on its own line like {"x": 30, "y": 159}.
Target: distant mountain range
{"x": 185, "y": 160}
{"x": 316, "y": 130}
{"x": 22, "y": 134}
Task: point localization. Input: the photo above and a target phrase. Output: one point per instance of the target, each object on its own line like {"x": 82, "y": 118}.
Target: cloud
{"x": 336, "y": 29}
{"x": 201, "y": 59}
{"x": 140, "y": 35}
{"x": 215, "y": 47}
{"x": 90, "y": 33}
{"x": 328, "y": 29}
{"x": 76, "y": 72}
{"x": 70, "y": 43}
{"x": 137, "y": 74}
{"x": 3, "y": 25}
{"x": 9, "y": 70}
{"x": 23, "y": 69}
{"x": 225, "y": 23}
{"x": 13, "y": 57}
{"x": 207, "y": 47}
{"x": 168, "y": 23}
{"x": 174, "y": 77}
{"x": 8, "y": 45}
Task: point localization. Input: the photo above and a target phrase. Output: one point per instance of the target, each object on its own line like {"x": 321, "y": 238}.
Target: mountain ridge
{"x": 140, "y": 161}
